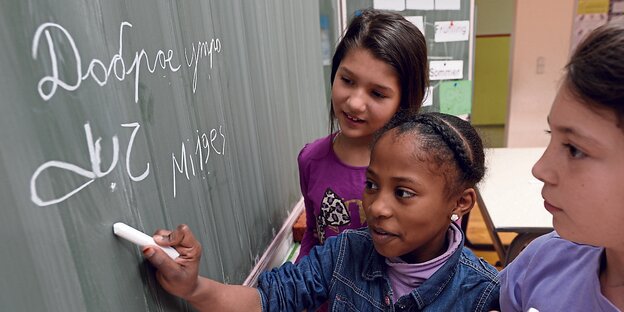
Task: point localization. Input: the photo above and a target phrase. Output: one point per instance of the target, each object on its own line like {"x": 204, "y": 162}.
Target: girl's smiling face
{"x": 365, "y": 94}
{"x": 583, "y": 172}
{"x": 406, "y": 201}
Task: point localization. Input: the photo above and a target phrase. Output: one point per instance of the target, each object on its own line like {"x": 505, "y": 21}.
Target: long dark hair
{"x": 392, "y": 39}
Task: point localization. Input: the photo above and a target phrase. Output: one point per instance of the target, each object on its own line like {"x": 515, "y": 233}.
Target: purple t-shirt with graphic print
{"x": 332, "y": 192}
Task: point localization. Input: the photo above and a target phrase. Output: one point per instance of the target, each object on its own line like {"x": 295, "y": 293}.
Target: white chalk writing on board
{"x": 96, "y": 172}
{"x": 100, "y": 72}
{"x": 203, "y": 145}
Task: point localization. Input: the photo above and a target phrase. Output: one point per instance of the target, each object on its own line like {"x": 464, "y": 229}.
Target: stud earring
{"x": 454, "y": 217}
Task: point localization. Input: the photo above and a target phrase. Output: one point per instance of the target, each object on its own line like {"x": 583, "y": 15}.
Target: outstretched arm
{"x": 180, "y": 276}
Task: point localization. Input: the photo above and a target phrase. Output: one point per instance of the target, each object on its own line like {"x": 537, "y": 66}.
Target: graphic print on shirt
{"x": 334, "y": 212}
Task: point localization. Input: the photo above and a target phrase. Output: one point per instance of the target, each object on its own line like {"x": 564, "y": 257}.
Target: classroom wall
{"x": 491, "y": 86}
{"x": 494, "y": 16}
{"x": 494, "y": 23}
{"x": 540, "y": 48}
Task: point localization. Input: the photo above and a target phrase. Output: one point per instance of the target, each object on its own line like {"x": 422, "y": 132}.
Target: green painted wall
{"x": 494, "y": 24}
{"x": 494, "y": 16}
{"x": 491, "y": 80}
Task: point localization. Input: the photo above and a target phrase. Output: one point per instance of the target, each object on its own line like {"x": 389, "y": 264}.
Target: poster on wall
{"x": 591, "y": 14}
{"x": 616, "y": 15}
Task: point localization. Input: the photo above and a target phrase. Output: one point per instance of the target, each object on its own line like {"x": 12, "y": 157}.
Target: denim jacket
{"x": 348, "y": 271}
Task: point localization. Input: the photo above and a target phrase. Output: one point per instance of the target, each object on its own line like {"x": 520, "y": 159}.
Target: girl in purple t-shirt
{"x": 580, "y": 267}
{"x": 378, "y": 69}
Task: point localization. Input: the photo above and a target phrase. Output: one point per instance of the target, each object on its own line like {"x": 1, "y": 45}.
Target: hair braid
{"x": 453, "y": 139}
{"x": 437, "y": 135}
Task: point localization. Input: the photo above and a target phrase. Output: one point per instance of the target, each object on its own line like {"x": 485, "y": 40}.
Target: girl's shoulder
{"x": 553, "y": 274}
{"x": 551, "y": 255}
{"x": 316, "y": 149}
{"x": 478, "y": 266}
{"x": 552, "y": 244}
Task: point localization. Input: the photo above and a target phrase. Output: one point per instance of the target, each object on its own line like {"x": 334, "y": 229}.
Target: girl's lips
{"x": 380, "y": 235}
{"x": 352, "y": 118}
{"x": 550, "y": 208}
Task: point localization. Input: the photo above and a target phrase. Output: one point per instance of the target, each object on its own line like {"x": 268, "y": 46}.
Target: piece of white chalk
{"x": 133, "y": 235}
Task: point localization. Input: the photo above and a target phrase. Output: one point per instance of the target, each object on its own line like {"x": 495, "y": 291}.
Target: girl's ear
{"x": 465, "y": 202}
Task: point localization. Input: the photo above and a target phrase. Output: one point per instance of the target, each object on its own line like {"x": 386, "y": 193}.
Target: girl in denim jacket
{"x": 411, "y": 257}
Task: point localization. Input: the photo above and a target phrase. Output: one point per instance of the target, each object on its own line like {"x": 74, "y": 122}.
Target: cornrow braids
{"x": 452, "y": 139}
{"x": 440, "y": 136}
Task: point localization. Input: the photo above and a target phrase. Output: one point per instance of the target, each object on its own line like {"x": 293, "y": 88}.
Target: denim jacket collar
{"x": 426, "y": 293}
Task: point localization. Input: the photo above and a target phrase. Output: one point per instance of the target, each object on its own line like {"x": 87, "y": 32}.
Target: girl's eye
{"x": 574, "y": 152}
{"x": 403, "y": 193}
{"x": 346, "y": 80}
{"x": 379, "y": 95}
{"x": 547, "y": 131}
{"x": 370, "y": 185}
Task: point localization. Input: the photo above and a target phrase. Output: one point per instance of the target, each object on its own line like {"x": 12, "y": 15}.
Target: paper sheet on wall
{"x": 446, "y": 70}
{"x": 617, "y": 19}
{"x": 395, "y": 5}
{"x": 447, "y": 31}
{"x": 418, "y": 21}
{"x": 428, "y": 100}
{"x": 617, "y": 7}
{"x": 584, "y": 24}
{"x": 455, "y": 97}
{"x": 447, "y": 4}
{"x": 419, "y": 4}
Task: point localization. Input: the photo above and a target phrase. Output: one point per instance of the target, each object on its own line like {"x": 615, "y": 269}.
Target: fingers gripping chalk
{"x": 133, "y": 235}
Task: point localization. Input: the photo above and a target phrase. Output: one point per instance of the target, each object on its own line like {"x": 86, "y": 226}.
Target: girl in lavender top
{"x": 379, "y": 68}
{"x": 580, "y": 266}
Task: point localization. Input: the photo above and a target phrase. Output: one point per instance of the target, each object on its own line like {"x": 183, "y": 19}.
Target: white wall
{"x": 540, "y": 49}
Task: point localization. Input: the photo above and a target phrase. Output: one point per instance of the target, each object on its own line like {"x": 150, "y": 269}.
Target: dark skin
{"x": 180, "y": 277}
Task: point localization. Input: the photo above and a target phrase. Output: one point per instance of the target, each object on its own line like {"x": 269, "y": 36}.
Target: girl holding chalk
{"x": 579, "y": 266}
{"x": 422, "y": 174}
{"x": 379, "y": 67}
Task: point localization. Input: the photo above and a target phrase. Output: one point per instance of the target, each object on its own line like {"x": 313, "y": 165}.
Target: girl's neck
{"x": 352, "y": 151}
{"x": 612, "y": 277}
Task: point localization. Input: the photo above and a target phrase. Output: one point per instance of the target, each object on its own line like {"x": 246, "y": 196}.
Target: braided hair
{"x": 445, "y": 141}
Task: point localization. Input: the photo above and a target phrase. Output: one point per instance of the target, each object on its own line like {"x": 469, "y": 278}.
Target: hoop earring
{"x": 454, "y": 217}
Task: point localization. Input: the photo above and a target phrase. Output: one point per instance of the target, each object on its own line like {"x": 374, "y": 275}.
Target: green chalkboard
{"x": 152, "y": 113}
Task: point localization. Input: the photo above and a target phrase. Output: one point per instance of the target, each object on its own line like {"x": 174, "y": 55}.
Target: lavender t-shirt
{"x": 554, "y": 274}
{"x": 332, "y": 192}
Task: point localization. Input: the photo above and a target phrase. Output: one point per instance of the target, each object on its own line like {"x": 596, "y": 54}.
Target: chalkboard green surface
{"x": 152, "y": 113}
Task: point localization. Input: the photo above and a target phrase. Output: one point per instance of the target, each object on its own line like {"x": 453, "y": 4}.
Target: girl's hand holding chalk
{"x": 181, "y": 277}
{"x": 133, "y": 235}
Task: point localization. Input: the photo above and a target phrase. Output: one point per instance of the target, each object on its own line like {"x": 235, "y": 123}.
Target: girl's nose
{"x": 357, "y": 101}
{"x": 377, "y": 208}
{"x": 544, "y": 169}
